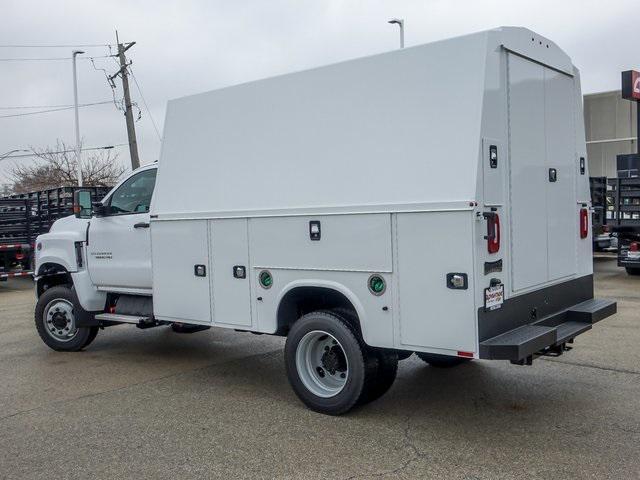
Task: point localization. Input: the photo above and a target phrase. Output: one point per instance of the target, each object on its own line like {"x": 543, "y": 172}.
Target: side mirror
{"x": 82, "y": 207}
{"x": 99, "y": 209}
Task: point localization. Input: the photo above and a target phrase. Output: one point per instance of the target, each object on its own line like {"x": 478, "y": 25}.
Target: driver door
{"x": 119, "y": 248}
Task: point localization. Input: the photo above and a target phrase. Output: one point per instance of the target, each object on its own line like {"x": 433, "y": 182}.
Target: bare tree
{"x": 57, "y": 167}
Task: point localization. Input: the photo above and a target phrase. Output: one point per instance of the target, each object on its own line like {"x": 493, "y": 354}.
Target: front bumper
{"x": 541, "y": 322}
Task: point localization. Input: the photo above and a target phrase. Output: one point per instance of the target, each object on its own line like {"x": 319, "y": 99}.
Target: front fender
{"x": 58, "y": 248}
{"x": 90, "y": 298}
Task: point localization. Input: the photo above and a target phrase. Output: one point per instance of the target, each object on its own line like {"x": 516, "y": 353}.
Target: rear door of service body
{"x": 543, "y": 206}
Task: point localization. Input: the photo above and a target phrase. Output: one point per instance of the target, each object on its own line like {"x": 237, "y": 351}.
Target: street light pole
{"x": 75, "y": 102}
{"x": 400, "y": 23}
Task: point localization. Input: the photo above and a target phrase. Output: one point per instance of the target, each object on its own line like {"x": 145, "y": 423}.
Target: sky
{"x": 190, "y": 46}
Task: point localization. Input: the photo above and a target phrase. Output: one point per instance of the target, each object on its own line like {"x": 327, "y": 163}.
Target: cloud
{"x": 185, "y": 47}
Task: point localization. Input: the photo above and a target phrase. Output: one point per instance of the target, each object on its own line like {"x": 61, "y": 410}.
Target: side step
{"x": 140, "y": 321}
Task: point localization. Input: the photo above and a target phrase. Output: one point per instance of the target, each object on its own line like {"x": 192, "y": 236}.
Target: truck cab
{"x": 104, "y": 248}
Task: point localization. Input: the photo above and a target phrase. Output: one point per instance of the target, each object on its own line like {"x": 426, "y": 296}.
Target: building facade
{"x": 610, "y": 128}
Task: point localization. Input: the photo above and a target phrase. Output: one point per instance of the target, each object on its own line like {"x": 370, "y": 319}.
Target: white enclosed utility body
{"x": 432, "y": 199}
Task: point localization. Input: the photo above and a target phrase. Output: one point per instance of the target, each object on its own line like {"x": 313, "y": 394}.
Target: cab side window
{"x": 134, "y": 195}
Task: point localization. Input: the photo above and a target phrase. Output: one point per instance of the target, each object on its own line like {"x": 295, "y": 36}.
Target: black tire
{"x": 403, "y": 354}
{"x": 66, "y": 295}
{"x": 185, "y": 328}
{"x": 381, "y": 364}
{"x": 360, "y": 364}
{"x": 383, "y": 377}
{"x": 93, "y": 333}
{"x": 632, "y": 271}
{"x": 442, "y": 361}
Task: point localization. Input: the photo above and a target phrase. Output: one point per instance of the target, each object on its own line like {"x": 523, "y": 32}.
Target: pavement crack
{"x": 597, "y": 367}
{"x": 131, "y": 385}
{"x": 407, "y": 444}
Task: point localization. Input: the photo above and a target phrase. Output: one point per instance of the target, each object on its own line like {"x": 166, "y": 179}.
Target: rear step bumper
{"x": 548, "y": 335}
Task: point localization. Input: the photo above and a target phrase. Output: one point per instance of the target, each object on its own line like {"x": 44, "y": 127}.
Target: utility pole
{"x": 128, "y": 112}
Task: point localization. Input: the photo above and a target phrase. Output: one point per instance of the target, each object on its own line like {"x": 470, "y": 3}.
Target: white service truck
{"x": 433, "y": 199}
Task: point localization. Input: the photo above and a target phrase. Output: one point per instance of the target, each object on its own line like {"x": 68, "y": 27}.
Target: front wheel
{"x": 632, "y": 271}
{"x": 55, "y": 319}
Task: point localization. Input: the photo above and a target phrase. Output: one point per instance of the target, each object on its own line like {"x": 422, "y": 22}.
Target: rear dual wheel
{"x": 329, "y": 366}
{"x": 442, "y": 361}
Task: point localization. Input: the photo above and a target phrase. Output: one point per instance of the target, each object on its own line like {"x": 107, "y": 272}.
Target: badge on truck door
{"x": 493, "y": 297}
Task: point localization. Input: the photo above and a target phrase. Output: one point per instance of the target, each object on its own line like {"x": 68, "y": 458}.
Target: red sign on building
{"x": 631, "y": 85}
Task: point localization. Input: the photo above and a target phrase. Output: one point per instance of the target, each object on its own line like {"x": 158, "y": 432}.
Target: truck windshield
{"x": 134, "y": 195}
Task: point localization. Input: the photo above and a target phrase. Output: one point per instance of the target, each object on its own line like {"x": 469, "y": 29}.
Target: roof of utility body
{"x": 397, "y": 130}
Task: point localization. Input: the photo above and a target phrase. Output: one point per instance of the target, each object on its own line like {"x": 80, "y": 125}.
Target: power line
{"x": 112, "y": 85}
{"x": 49, "y": 59}
{"x": 85, "y": 45}
{"x": 24, "y": 107}
{"x": 52, "y": 110}
{"x": 106, "y": 147}
{"x": 155, "y": 127}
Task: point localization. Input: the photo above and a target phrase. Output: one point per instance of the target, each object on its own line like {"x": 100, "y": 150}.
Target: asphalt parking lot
{"x": 216, "y": 404}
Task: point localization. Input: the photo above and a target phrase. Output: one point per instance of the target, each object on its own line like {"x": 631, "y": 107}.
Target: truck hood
{"x": 70, "y": 226}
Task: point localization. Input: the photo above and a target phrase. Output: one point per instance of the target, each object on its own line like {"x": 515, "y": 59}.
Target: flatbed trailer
{"x": 626, "y": 223}
{"x": 25, "y": 216}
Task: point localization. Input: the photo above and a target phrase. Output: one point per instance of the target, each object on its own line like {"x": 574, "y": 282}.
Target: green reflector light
{"x": 266, "y": 280}
{"x": 377, "y": 285}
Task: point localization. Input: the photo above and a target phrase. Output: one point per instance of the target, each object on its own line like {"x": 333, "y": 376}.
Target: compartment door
{"x": 562, "y": 210}
{"x": 528, "y": 179}
{"x": 542, "y": 174}
{"x": 430, "y": 245}
{"x": 178, "y": 293}
{"x": 230, "y": 293}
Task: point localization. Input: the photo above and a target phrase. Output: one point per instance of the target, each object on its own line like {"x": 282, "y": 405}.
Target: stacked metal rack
{"x": 626, "y": 223}
{"x": 25, "y": 216}
{"x": 600, "y": 229}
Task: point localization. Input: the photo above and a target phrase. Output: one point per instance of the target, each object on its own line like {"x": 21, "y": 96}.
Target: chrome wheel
{"x": 59, "y": 321}
{"x": 322, "y": 364}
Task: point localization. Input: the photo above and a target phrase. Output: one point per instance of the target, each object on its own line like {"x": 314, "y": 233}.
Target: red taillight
{"x": 465, "y": 354}
{"x": 493, "y": 232}
{"x": 633, "y": 247}
{"x": 584, "y": 222}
